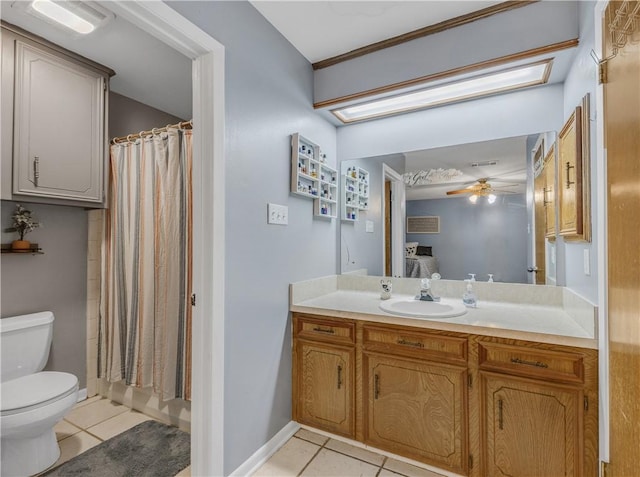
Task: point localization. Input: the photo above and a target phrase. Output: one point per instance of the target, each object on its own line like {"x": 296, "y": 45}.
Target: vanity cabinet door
{"x": 417, "y": 409}
{"x": 530, "y": 428}
{"x": 58, "y": 127}
{"x": 324, "y": 391}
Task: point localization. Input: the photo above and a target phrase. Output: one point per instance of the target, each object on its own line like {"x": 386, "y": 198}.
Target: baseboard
{"x": 259, "y": 457}
{"x": 82, "y": 394}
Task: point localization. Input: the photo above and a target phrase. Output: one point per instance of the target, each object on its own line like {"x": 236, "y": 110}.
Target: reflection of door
{"x": 622, "y": 142}
{"x": 540, "y": 230}
{"x": 387, "y": 229}
{"x": 396, "y": 209}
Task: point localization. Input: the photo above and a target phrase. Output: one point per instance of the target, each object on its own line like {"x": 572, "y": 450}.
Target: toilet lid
{"x": 35, "y": 390}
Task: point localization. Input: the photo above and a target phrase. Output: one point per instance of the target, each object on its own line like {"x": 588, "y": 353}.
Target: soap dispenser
{"x": 469, "y": 297}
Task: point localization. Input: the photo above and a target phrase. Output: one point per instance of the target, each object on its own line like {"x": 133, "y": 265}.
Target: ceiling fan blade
{"x": 460, "y": 191}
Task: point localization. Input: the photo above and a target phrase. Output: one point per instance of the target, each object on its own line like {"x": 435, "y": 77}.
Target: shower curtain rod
{"x": 141, "y": 134}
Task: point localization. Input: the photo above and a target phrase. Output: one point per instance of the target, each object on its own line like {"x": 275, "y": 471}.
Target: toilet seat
{"x": 35, "y": 390}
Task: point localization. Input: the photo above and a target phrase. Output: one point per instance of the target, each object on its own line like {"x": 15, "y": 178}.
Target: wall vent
{"x": 429, "y": 224}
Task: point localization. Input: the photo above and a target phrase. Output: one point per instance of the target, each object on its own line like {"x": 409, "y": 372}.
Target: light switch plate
{"x": 369, "y": 226}
{"x": 277, "y": 214}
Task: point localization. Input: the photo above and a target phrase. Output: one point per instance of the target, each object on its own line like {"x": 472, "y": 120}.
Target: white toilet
{"x": 32, "y": 401}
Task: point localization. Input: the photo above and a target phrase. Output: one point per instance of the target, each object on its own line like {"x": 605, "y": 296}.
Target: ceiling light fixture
{"x": 58, "y": 12}
{"x": 505, "y": 80}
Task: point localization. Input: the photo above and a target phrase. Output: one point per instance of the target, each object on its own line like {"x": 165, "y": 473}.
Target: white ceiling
{"x": 322, "y": 29}
{"x": 509, "y": 174}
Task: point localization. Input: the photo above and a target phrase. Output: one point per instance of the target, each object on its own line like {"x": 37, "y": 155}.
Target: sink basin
{"x": 445, "y": 308}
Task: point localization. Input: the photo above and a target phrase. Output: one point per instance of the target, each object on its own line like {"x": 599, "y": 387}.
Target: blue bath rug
{"x": 150, "y": 449}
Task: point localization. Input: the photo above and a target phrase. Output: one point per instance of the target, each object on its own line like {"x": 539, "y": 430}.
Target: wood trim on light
{"x": 422, "y": 32}
{"x": 563, "y": 45}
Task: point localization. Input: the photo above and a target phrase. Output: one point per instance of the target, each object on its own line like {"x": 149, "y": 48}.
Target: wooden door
{"x": 387, "y": 229}
{"x": 58, "y": 127}
{"x": 540, "y": 229}
{"x": 325, "y": 387}
{"x": 417, "y": 410}
{"x": 530, "y": 429}
{"x": 622, "y": 138}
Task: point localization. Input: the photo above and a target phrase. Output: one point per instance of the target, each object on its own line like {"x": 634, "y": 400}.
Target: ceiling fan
{"x": 482, "y": 188}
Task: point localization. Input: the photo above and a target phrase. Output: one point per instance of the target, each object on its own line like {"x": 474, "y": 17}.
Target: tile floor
{"x": 92, "y": 421}
{"x": 314, "y": 455}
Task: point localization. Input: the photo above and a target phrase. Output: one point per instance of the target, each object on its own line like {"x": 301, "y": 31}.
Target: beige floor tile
{"x": 75, "y": 445}
{"x": 408, "y": 469}
{"x": 357, "y": 452}
{"x": 94, "y": 413}
{"x": 65, "y": 429}
{"x": 388, "y": 473}
{"x": 289, "y": 460}
{"x": 331, "y": 464}
{"x": 311, "y": 437}
{"x": 184, "y": 473}
{"x": 118, "y": 424}
{"x": 87, "y": 401}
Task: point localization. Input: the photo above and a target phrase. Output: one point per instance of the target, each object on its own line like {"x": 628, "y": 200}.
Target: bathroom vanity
{"x": 509, "y": 388}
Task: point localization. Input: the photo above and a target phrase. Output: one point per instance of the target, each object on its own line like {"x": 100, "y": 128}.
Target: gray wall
{"x": 482, "y": 238}
{"x": 128, "y": 116}
{"x": 359, "y": 248}
{"x": 268, "y": 97}
{"x": 55, "y": 281}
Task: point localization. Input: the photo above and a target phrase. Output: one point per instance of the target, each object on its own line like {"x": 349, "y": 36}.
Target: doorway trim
{"x": 397, "y": 220}
{"x": 207, "y": 55}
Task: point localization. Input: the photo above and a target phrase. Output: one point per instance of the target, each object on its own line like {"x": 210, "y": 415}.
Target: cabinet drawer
{"x": 547, "y": 364}
{"x": 323, "y": 329}
{"x": 415, "y": 344}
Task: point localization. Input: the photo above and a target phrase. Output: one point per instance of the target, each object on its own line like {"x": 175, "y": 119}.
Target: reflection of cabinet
{"x": 58, "y": 122}
{"x": 549, "y": 173}
{"x": 474, "y": 405}
{"x": 355, "y": 193}
{"x": 570, "y": 175}
{"x": 311, "y": 177}
{"x": 323, "y": 375}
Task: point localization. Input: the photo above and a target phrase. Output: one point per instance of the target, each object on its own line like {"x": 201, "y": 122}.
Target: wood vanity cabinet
{"x": 415, "y": 394}
{"x": 323, "y": 374}
{"x": 538, "y": 410}
{"x": 474, "y": 405}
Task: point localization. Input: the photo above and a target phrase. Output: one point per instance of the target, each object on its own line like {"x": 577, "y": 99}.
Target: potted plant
{"x": 23, "y": 223}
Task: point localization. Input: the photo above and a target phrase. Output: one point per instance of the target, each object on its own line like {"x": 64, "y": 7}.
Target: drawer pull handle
{"x": 537, "y": 364}
{"x": 568, "y": 168}
{"x": 500, "y": 414}
{"x": 324, "y": 330}
{"x": 339, "y": 376}
{"x": 376, "y": 386}
{"x": 415, "y": 344}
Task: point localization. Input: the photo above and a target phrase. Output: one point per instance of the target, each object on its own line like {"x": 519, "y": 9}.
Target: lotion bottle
{"x": 469, "y": 298}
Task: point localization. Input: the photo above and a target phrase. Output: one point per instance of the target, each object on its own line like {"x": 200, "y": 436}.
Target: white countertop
{"x": 533, "y": 322}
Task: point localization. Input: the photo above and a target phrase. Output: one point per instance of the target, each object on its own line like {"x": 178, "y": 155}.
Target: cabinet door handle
{"x": 415, "y": 344}
{"x": 537, "y": 364}
{"x": 324, "y": 330}
{"x": 376, "y": 386}
{"x": 36, "y": 171}
{"x": 500, "y": 414}
{"x": 339, "y": 376}
{"x": 568, "y": 167}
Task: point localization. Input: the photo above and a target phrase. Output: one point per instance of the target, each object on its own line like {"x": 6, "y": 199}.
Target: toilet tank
{"x": 25, "y": 342}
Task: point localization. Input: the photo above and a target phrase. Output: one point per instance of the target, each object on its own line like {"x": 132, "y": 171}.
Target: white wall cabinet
{"x": 58, "y": 124}
{"x": 311, "y": 177}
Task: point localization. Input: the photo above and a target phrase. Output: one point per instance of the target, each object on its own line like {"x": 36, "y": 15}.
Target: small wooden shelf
{"x": 34, "y": 250}
{"x": 354, "y": 193}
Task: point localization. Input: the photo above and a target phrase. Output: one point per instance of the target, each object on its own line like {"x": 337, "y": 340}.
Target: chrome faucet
{"x": 425, "y": 291}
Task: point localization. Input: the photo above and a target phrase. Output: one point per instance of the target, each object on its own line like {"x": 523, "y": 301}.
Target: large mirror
{"x": 467, "y": 209}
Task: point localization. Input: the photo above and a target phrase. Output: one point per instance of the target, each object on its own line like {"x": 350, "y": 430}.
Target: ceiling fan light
{"x": 491, "y": 198}
{"x": 473, "y": 198}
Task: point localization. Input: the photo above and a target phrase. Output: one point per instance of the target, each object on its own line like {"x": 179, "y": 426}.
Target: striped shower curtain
{"x": 145, "y": 314}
